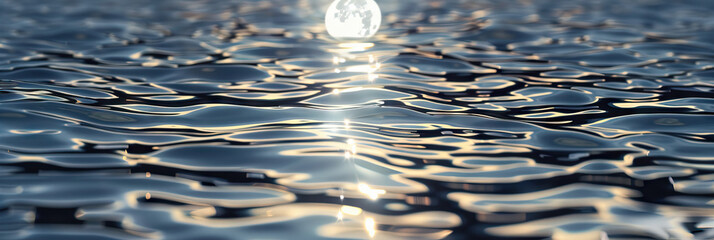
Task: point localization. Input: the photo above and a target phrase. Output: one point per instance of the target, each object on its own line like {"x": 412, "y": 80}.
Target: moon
{"x": 353, "y": 19}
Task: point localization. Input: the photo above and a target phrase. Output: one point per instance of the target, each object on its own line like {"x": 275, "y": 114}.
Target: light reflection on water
{"x": 458, "y": 120}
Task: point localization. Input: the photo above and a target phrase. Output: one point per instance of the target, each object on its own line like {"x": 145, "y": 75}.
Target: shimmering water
{"x": 573, "y": 119}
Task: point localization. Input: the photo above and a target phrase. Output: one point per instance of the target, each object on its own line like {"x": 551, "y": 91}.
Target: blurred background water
{"x": 478, "y": 119}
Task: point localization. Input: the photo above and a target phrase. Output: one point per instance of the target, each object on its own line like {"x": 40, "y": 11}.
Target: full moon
{"x": 353, "y": 19}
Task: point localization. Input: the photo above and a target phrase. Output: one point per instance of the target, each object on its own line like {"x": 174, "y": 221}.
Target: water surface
{"x": 458, "y": 120}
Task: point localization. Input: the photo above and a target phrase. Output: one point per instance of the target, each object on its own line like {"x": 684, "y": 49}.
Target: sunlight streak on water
{"x": 370, "y": 192}
{"x": 355, "y": 46}
{"x": 370, "y": 226}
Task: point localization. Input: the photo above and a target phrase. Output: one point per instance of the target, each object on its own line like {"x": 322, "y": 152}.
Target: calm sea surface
{"x": 572, "y": 119}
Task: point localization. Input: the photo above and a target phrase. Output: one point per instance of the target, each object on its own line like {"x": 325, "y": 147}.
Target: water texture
{"x": 572, "y": 119}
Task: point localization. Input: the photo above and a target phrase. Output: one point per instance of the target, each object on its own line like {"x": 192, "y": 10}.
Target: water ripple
{"x": 459, "y": 120}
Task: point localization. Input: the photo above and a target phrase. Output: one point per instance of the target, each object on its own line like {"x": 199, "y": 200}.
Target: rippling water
{"x": 572, "y": 119}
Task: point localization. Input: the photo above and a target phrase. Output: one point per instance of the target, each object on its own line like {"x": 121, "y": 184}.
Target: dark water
{"x": 575, "y": 119}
